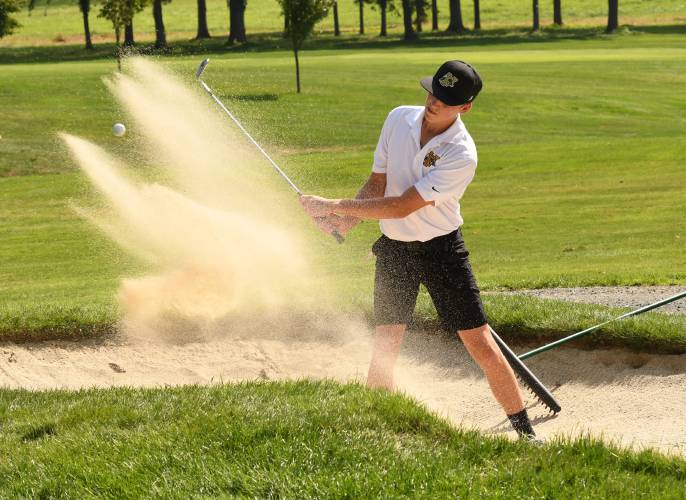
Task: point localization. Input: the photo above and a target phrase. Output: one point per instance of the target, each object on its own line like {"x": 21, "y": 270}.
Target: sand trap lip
{"x": 631, "y": 399}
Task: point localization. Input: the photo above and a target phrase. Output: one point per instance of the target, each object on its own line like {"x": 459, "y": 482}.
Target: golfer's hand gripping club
{"x": 198, "y": 74}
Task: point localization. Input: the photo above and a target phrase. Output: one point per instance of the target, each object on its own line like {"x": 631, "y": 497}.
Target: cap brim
{"x": 427, "y": 83}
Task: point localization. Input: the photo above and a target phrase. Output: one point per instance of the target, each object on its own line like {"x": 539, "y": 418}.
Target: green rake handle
{"x": 592, "y": 329}
{"x": 526, "y": 376}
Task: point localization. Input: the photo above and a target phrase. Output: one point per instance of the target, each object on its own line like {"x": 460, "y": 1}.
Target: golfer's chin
{"x": 430, "y": 115}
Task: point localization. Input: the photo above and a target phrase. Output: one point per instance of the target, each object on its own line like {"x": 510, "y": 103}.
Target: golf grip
{"x": 528, "y": 378}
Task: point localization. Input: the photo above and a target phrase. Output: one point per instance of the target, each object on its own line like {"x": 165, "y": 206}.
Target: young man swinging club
{"x": 424, "y": 161}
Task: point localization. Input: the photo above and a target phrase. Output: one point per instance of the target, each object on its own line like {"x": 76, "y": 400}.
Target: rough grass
{"x": 295, "y": 439}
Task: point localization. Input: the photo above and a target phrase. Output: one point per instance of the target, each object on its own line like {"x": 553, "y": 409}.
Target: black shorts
{"x": 442, "y": 265}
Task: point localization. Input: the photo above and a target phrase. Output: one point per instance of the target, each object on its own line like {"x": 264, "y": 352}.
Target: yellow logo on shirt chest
{"x": 431, "y": 159}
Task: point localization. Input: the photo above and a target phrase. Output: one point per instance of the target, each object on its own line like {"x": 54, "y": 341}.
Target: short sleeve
{"x": 381, "y": 153}
{"x": 448, "y": 180}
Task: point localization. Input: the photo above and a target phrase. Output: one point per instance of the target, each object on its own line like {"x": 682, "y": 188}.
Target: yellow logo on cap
{"x": 448, "y": 80}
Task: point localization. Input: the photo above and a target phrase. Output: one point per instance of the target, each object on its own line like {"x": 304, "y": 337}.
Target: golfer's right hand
{"x": 327, "y": 223}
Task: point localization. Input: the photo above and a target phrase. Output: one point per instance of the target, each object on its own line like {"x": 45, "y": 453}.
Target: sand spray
{"x": 218, "y": 234}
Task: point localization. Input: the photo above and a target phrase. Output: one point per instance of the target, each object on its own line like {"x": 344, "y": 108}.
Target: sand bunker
{"x": 632, "y": 399}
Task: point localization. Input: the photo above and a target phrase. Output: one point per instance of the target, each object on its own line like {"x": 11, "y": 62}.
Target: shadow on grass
{"x": 250, "y": 97}
{"x": 266, "y": 42}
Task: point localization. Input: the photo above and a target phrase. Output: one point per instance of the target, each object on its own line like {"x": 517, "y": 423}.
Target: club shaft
{"x": 592, "y": 329}
{"x": 247, "y": 134}
{"x": 335, "y": 234}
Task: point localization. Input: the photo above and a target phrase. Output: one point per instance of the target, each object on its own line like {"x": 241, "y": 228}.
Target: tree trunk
{"x": 336, "y": 25}
{"x": 237, "y": 21}
{"x": 361, "y": 4}
{"x": 477, "y": 15}
{"x": 117, "y": 37}
{"x": 434, "y": 15}
{"x": 419, "y": 6}
{"x": 87, "y": 29}
{"x": 557, "y": 12}
{"x": 160, "y": 32}
{"x": 612, "y": 16}
{"x": 203, "y": 32}
{"x": 407, "y": 21}
{"x": 537, "y": 23}
{"x": 297, "y": 71}
{"x": 456, "y": 25}
{"x": 384, "y": 24}
{"x": 128, "y": 35}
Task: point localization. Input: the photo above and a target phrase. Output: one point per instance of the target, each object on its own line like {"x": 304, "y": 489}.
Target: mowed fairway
{"x": 579, "y": 182}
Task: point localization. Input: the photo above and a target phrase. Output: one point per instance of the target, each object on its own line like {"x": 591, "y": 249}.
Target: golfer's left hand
{"x": 317, "y": 206}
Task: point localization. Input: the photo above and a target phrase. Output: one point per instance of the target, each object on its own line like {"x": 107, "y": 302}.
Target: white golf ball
{"x": 118, "y": 129}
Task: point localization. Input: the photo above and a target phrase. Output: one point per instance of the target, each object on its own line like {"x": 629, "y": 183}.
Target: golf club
{"x": 198, "y": 75}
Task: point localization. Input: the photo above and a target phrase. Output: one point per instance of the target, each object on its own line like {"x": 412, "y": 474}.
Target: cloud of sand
{"x": 216, "y": 236}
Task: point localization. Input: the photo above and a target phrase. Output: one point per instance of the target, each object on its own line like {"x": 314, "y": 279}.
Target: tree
{"x": 301, "y": 16}
{"x": 160, "y": 31}
{"x": 120, "y": 13}
{"x": 612, "y": 16}
{"x": 420, "y": 14}
{"x": 360, "y": 4}
{"x": 7, "y": 23}
{"x": 336, "y": 24}
{"x": 434, "y": 15}
{"x": 557, "y": 12}
{"x": 537, "y": 23}
{"x": 128, "y": 34}
{"x": 456, "y": 24}
{"x": 237, "y": 21}
{"x": 85, "y": 8}
{"x": 409, "y": 33}
{"x": 132, "y": 8}
{"x": 113, "y": 11}
{"x": 477, "y": 15}
{"x": 384, "y": 7}
{"x": 203, "y": 32}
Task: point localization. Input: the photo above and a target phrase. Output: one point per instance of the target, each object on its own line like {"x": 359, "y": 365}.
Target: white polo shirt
{"x": 440, "y": 171}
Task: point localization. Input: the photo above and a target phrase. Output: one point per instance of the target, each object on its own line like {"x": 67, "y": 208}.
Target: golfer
{"x": 424, "y": 161}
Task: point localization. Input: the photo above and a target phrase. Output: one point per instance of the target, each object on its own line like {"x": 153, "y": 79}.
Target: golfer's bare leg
{"x": 387, "y": 342}
{"x": 480, "y": 344}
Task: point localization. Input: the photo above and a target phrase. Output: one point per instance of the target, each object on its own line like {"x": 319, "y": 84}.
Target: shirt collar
{"x": 414, "y": 120}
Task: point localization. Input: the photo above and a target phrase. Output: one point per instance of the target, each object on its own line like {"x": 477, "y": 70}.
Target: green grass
{"x": 61, "y": 22}
{"x": 579, "y": 182}
{"x": 296, "y": 439}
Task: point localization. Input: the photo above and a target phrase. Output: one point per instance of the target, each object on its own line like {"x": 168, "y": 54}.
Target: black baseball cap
{"x": 455, "y": 83}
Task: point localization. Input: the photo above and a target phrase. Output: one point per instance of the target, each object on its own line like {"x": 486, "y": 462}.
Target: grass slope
{"x": 298, "y": 439}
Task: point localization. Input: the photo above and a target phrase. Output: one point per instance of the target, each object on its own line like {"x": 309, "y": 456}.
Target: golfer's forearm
{"x": 375, "y": 187}
{"x": 394, "y": 207}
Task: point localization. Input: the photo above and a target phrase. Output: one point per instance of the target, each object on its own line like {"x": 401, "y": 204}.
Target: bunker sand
{"x": 631, "y": 399}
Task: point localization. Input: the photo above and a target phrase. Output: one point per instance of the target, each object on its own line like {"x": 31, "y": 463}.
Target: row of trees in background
{"x": 121, "y": 13}
{"x": 414, "y": 12}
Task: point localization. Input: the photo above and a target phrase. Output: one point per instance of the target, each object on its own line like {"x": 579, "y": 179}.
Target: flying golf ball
{"x": 118, "y": 129}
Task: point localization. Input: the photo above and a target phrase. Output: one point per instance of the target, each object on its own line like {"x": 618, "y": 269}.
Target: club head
{"x": 201, "y": 68}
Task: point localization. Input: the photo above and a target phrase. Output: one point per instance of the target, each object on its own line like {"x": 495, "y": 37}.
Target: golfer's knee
{"x": 389, "y": 338}
{"x": 482, "y": 347}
